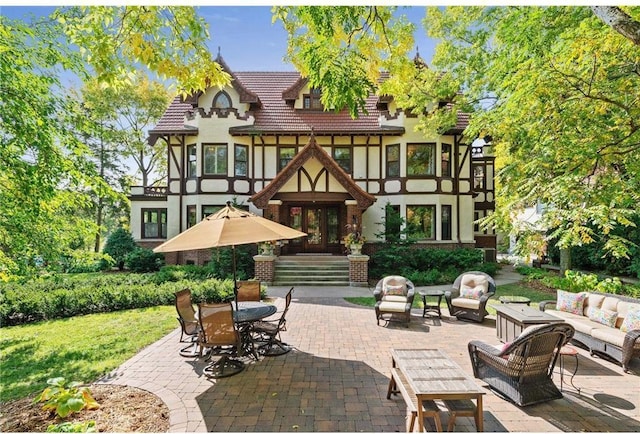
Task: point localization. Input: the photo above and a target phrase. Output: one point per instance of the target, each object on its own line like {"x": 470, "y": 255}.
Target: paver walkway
{"x": 336, "y": 378}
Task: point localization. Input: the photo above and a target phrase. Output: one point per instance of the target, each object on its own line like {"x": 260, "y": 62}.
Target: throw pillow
{"x": 472, "y": 293}
{"x": 602, "y": 316}
{"x": 570, "y": 302}
{"x": 631, "y": 321}
{"x": 394, "y": 290}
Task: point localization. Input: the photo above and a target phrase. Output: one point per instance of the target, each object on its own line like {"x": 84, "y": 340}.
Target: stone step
{"x": 311, "y": 270}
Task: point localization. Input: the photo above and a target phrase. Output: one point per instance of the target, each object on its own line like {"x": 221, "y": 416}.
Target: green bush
{"x": 143, "y": 260}
{"x": 119, "y": 244}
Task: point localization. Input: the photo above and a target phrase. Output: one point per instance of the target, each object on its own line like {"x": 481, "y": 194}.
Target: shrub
{"x": 118, "y": 245}
{"x": 143, "y": 260}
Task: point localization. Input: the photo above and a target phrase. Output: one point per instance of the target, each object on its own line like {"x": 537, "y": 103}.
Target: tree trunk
{"x": 565, "y": 261}
{"x": 619, "y": 21}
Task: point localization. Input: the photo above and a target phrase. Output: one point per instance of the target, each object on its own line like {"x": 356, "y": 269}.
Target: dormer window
{"x": 222, "y": 100}
{"x": 311, "y": 101}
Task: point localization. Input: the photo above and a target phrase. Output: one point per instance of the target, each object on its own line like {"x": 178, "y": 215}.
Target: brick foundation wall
{"x": 265, "y": 268}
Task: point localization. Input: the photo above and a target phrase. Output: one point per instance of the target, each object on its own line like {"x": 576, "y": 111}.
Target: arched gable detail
{"x": 313, "y": 150}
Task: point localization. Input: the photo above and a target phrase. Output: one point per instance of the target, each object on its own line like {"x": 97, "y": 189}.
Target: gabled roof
{"x": 313, "y": 150}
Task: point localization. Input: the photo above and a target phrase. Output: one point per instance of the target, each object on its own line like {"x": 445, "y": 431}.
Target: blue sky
{"x": 247, "y": 38}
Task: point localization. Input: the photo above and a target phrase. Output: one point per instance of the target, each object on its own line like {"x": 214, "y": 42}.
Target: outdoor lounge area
{"x": 336, "y": 378}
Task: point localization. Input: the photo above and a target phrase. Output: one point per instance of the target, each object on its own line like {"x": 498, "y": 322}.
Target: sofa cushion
{"x": 570, "y": 302}
{"x": 624, "y": 307}
{"x": 593, "y": 300}
{"x": 466, "y": 303}
{"x": 610, "y": 303}
{"x": 631, "y": 321}
{"x": 580, "y": 323}
{"x": 603, "y": 316}
{"x": 473, "y": 285}
{"x": 609, "y": 335}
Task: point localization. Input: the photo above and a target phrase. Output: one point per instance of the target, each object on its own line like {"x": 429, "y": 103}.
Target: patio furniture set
{"x": 520, "y": 371}
{"x": 230, "y": 331}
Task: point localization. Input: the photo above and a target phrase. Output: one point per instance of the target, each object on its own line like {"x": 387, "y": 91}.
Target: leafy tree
{"x": 45, "y": 169}
{"x": 554, "y": 87}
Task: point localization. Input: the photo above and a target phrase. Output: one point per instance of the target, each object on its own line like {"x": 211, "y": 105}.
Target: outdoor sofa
{"x": 606, "y": 324}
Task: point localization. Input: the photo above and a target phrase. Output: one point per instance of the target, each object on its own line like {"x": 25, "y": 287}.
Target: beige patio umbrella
{"x": 229, "y": 227}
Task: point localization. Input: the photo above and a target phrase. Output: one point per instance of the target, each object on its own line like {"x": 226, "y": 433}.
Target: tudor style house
{"x": 266, "y": 143}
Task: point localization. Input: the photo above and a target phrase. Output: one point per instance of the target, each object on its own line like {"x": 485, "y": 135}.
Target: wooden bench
{"x": 462, "y": 408}
{"x": 399, "y": 384}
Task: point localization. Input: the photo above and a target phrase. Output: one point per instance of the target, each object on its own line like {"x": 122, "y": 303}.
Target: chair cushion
{"x": 395, "y": 298}
{"x": 473, "y": 286}
{"x": 466, "y": 303}
{"x": 570, "y": 302}
{"x": 602, "y": 316}
{"x": 395, "y": 290}
{"x": 389, "y": 306}
{"x": 394, "y": 286}
{"x": 631, "y": 321}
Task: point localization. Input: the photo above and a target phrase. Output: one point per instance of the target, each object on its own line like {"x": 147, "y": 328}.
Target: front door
{"x": 321, "y": 223}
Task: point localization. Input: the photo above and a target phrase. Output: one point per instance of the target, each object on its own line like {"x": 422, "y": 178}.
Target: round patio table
{"x": 250, "y": 311}
{"x": 516, "y": 299}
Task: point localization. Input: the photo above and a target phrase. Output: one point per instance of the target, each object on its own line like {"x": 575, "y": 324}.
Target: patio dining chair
{"x": 267, "y": 332}
{"x": 249, "y": 290}
{"x": 189, "y": 326}
{"x": 521, "y": 371}
{"x": 219, "y": 333}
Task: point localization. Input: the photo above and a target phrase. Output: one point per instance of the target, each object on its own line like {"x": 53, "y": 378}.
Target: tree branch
{"x": 619, "y": 21}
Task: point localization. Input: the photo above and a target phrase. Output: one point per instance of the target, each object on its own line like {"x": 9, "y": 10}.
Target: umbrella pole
{"x": 235, "y": 283}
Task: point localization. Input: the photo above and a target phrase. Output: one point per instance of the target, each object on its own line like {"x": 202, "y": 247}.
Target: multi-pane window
{"x": 478, "y": 178}
{"x": 445, "y": 214}
{"x": 421, "y": 221}
{"x": 311, "y": 101}
{"x": 421, "y": 159}
{"x": 242, "y": 160}
{"x": 192, "y": 218}
{"x": 393, "y": 161}
{"x": 222, "y": 100}
{"x": 284, "y": 156}
{"x": 215, "y": 159}
{"x": 446, "y": 159}
{"x": 191, "y": 161}
{"x": 342, "y": 155}
{"x": 154, "y": 223}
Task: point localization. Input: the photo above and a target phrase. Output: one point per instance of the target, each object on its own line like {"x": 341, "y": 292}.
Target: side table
{"x": 568, "y": 351}
{"x": 435, "y": 308}
{"x": 516, "y": 299}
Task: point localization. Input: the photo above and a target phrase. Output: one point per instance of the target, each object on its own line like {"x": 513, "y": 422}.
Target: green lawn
{"x": 82, "y": 348}
{"x": 509, "y": 289}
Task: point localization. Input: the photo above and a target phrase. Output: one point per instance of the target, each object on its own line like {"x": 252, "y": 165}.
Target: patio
{"x": 336, "y": 378}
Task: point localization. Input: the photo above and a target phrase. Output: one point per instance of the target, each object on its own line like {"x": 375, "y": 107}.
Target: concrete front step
{"x": 311, "y": 270}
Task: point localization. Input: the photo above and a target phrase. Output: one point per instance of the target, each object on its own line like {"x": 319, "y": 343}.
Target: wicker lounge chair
{"x": 394, "y": 297}
{"x": 267, "y": 332}
{"x": 188, "y": 323}
{"x": 218, "y": 331}
{"x": 467, "y": 299}
{"x": 522, "y": 370}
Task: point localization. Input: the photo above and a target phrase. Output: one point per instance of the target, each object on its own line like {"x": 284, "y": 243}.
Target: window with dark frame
{"x": 421, "y": 221}
{"x": 154, "y": 223}
{"x": 311, "y": 101}
{"x": 421, "y": 159}
{"x": 285, "y": 155}
{"x": 342, "y": 156}
{"x": 242, "y": 160}
{"x": 392, "y": 223}
{"x": 215, "y": 159}
{"x": 478, "y": 177}
{"x": 393, "y": 161}
{"x": 446, "y": 160}
{"x": 445, "y": 213}
{"x": 191, "y": 161}
{"x": 222, "y": 100}
{"x": 207, "y": 210}
{"x": 192, "y": 217}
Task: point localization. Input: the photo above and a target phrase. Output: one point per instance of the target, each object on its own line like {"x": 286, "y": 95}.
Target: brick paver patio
{"x": 336, "y": 380}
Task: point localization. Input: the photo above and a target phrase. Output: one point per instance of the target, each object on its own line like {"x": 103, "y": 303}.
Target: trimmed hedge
{"x": 64, "y": 296}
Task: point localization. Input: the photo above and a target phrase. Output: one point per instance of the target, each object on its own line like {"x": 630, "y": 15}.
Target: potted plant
{"x": 353, "y": 241}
